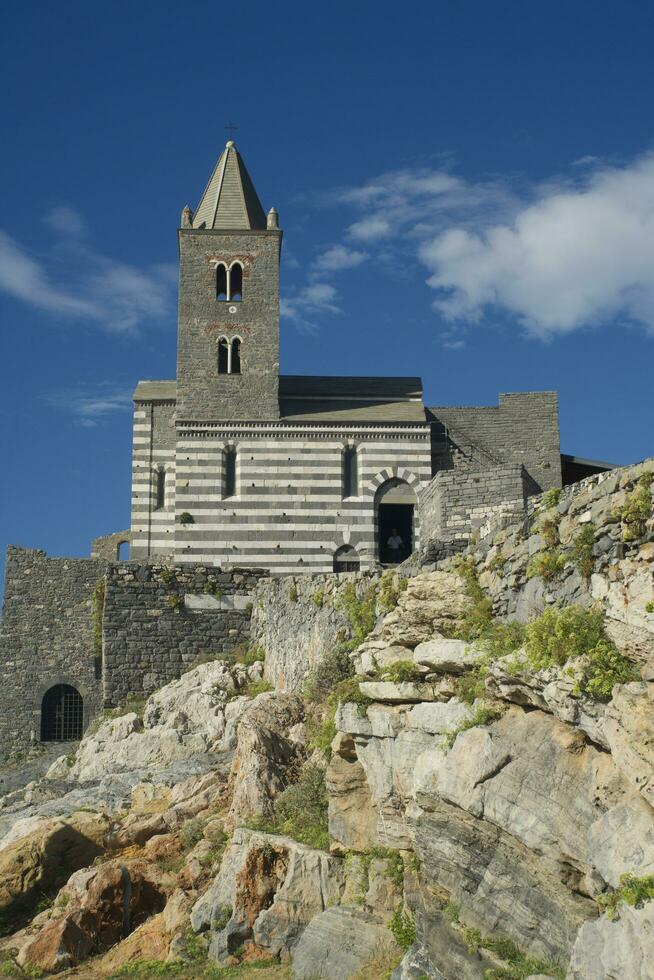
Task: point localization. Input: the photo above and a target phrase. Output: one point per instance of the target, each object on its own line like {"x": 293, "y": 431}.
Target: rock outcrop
{"x": 486, "y": 816}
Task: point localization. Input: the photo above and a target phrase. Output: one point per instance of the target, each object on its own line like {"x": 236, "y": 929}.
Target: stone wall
{"x": 522, "y": 430}
{"x": 108, "y": 546}
{"x": 46, "y": 638}
{"x": 455, "y": 503}
{"x": 158, "y": 620}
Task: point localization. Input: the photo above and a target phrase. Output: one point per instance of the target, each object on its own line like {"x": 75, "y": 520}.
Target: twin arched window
{"x": 229, "y": 355}
{"x": 229, "y": 282}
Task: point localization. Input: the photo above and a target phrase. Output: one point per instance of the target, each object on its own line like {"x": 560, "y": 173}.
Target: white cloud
{"x": 370, "y": 229}
{"x": 309, "y": 302}
{"x": 76, "y": 281}
{"x": 338, "y": 257}
{"x": 574, "y": 256}
{"x": 91, "y": 404}
{"x": 65, "y": 220}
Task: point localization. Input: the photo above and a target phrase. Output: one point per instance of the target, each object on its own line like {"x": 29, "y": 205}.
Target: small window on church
{"x": 160, "y": 495}
{"x": 350, "y": 473}
{"x": 236, "y": 356}
{"x": 229, "y": 472}
{"x": 221, "y": 282}
{"x": 223, "y": 356}
{"x": 236, "y": 282}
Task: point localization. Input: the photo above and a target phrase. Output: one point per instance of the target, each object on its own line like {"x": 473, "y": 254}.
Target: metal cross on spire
{"x": 230, "y": 129}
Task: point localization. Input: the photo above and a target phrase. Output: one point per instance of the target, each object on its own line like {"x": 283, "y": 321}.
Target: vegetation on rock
{"x": 632, "y": 891}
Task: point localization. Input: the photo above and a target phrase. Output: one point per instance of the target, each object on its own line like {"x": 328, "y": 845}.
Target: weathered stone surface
{"x": 102, "y": 906}
{"x": 622, "y": 949}
{"x": 264, "y": 754}
{"x": 446, "y": 656}
{"x": 622, "y": 840}
{"x": 417, "y": 965}
{"x": 629, "y": 729}
{"x": 550, "y": 690}
{"x": 42, "y": 852}
{"x": 436, "y": 718}
{"x": 268, "y": 888}
{"x": 410, "y": 692}
{"x": 352, "y": 818}
{"x": 188, "y": 717}
{"x": 337, "y": 943}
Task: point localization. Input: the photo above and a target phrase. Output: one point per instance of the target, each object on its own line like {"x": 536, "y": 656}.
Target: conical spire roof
{"x": 230, "y": 200}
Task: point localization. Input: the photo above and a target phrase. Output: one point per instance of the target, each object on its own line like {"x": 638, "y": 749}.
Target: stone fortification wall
{"x": 523, "y": 430}
{"x": 46, "y": 638}
{"x": 158, "y": 620}
{"x": 455, "y": 503}
{"x": 300, "y": 618}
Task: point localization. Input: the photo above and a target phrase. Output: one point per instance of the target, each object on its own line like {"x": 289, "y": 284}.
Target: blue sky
{"x": 466, "y": 190}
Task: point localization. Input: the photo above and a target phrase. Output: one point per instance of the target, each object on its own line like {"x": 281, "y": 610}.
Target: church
{"x": 237, "y": 465}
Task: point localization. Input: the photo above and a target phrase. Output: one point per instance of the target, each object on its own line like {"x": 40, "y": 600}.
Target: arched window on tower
{"x": 229, "y": 472}
{"x": 221, "y": 281}
{"x": 350, "y": 472}
{"x": 160, "y": 494}
{"x": 236, "y": 282}
{"x": 223, "y": 356}
{"x": 236, "y": 356}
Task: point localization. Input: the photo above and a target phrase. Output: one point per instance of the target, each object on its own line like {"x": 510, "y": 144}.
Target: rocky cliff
{"x": 453, "y": 777}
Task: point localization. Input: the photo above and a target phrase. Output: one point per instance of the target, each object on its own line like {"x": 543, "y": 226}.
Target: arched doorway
{"x": 122, "y": 551}
{"x": 346, "y": 559}
{"x": 395, "y": 502}
{"x": 62, "y": 714}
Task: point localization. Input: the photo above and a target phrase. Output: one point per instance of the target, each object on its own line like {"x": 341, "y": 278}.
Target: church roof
{"x": 307, "y": 398}
{"x": 229, "y": 199}
{"x": 316, "y": 398}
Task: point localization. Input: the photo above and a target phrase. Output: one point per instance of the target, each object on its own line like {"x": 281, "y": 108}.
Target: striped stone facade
{"x": 289, "y": 512}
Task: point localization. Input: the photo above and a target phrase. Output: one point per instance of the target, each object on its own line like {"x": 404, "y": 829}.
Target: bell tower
{"x": 228, "y": 326}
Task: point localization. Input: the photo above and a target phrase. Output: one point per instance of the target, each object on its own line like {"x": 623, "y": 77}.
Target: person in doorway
{"x": 395, "y": 547}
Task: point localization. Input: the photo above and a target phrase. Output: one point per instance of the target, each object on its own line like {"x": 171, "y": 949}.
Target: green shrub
{"x": 166, "y": 575}
{"x": 548, "y": 529}
{"x": 582, "y": 550}
{"x": 482, "y": 715}
{"x": 632, "y": 891}
{"x": 547, "y": 564}
{"x": 649, "y": 607}
{"x": 559, "y": 635}
{"x": 318, "y": 598}
{"x": 477, "y": 619}
{"x": 292, "y": 592}
{"x": 191, "y": 833}
{"x": 403, "y": 927}
{"x": 497, "y": 562}
{"x": 248, "y": 655}
{"x": 254, "y": 688}
{"x": 637, "y": 509}
{"x": 360, "y": 612}
{"x": 451, "y": 911}
{"x": 334, "y": 667}
{"x": 551, "y": 498}
{"x": 175, "y": 602}
{"x": 301, "y": 810}
{"x": 390, "y": 589}
{"x": 402, "y": 671}
{"x": 186, "y": 518}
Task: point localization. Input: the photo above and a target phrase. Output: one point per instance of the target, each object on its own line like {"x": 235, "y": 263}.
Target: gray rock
{"x": 622, "y": 840}
{"x": 408, "y": 691}
{"x": 445, "y": 656}
{"x": 623, "y": 949}
{"x": 337, "y": 943}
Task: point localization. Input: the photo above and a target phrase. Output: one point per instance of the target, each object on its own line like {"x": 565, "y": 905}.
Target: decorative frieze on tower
{"x": 228, "y": 328}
